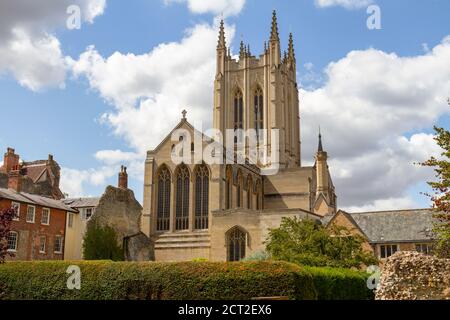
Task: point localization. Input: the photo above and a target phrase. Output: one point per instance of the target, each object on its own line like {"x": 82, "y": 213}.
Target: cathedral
{"x": 222, "y": 211}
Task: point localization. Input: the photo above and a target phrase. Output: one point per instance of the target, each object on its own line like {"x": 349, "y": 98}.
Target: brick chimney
{"x": 10, "y": 160}
{"x": 123, "y": 178}
{"x": 15, "y": 179}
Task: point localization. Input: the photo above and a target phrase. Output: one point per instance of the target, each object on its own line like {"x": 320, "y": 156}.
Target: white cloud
{"x": 73, "y": 181}
{"x": 28, "y": 49}
{"x": 385, "y": 204}
{"x": 369, "y": 104}
{"x": 149, "y": 91}
{"x": 35, "y": 63}
{"x": 348, "y": 4}
{"x": 225, "y": 7}
{"x": 112, "y": 157}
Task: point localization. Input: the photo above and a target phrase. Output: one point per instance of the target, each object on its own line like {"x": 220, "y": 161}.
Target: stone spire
{"x": 222, "y": 43}
{"x": 274, "y": 42}
{"x": 274, "y": 36}
{"x": 320, "y": 148}
{"x": 291, "y": 51}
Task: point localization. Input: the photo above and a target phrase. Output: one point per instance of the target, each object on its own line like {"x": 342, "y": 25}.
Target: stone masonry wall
{"x": 414, "y": 276}
{"x": 119, "y": 209}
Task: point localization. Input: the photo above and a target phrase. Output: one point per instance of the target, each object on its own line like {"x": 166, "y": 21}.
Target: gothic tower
{"x": 259, "y": 93}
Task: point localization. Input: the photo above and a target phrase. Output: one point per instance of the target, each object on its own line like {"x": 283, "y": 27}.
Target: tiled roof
{"x": 82, "y": 202}
{"x": 34, "y": 170}
{"x": 34, "y": 199}
{"x": 396, "y": 226}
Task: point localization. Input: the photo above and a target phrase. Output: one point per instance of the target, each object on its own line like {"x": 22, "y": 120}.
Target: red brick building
{"x": 38, "y": 230}
{"x": 36, "y": 177}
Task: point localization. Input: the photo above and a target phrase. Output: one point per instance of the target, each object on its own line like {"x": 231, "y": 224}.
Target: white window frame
{"x": 385, "y": 249}
{"x": 40, "y": 244}
{"x": 70, "y": 217}
{"x": 84, "y": 213}
{"x": 42, "y": 215}
{"x": 17, "y": 215}
{"x": 429, "y": 247}
{"x": 16, "y": 242}
{"x": 61, "y": 244}
{"x": 34, "y": 214}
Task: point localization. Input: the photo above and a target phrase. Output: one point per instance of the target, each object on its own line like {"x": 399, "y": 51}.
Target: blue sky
{"x": 71, "y": 120}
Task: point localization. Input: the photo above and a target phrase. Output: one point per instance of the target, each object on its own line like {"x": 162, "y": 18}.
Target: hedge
{"x": 340, "y": 284}
{"x": 107, "y": 280}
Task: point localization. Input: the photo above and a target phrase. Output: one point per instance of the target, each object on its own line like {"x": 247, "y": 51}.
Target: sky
{"x": 101, "y": 95}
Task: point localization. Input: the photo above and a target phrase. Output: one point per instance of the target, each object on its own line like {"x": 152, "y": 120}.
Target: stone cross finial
{"x": 184, "y": 114}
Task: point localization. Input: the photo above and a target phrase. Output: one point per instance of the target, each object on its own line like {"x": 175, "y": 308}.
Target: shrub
{"x": 6, "y": 216}
{"x": 340, "y": 284}
{"x": 101, "y": 243}
{"x": 154, "y": 280}
{"x": 258, "y": 256}
{"x": 308, "y": 243}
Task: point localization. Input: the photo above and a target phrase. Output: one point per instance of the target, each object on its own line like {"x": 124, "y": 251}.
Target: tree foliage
{"x": 101, "y": 243}
{"x": 6, "y": 216}
{"x": 441, "y": 192}
{"x": 308, "y": 243}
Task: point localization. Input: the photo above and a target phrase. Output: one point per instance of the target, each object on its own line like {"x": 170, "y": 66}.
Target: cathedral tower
{"x": 259, "y": 93}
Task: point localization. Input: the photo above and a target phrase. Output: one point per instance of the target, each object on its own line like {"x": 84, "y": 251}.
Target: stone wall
{"x": 119, "y": 209}
{"x": 414, "y": 276}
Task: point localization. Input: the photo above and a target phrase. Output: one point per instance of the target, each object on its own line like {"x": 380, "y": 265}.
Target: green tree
{"x": 309, "y": 243}
{"x": 441, "y": 192}
{"x": 6, "y": 216}
{"x": 101, "y": 243}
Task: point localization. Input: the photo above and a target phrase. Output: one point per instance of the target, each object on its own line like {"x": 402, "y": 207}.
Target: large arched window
{"x": 236, "y": 244}
{"x": 182, "y": 198}
{"x": 228, "y": 187}
{"x": 201, "y": 197}
{"x": 163, "y": 208}
{"x": 249, "y": 192}
{"x": 238, "y": 109}
{"x": 259, "y": 110}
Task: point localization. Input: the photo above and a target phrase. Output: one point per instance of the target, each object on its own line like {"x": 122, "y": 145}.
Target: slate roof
{"x": 34, "y": 199}
{"x": 396, "y": 226}
{"x": 82, "y": 202}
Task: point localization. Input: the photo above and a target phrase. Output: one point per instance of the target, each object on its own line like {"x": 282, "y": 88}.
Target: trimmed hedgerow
{"x": 102, "y": 280}
{"x": 340, "y": 284}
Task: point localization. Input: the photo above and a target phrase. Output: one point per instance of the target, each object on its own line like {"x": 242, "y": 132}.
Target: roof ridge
{"x": 386, "y": 211}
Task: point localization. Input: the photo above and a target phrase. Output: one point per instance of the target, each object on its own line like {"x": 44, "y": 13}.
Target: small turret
{"x": 291, "y": 51}
{"x": 242, "y": 50}
{"x": 274, "y": 42}
{"x": 222, "y": 42}
{"x": 274, "y": 36}
{"x": 322, "y": 169}
{"x": 221, "y": 50}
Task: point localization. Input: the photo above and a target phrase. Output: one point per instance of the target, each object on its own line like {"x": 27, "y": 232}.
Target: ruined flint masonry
{"x": 119, "y": 209}
{"x": 414, "y": 276}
